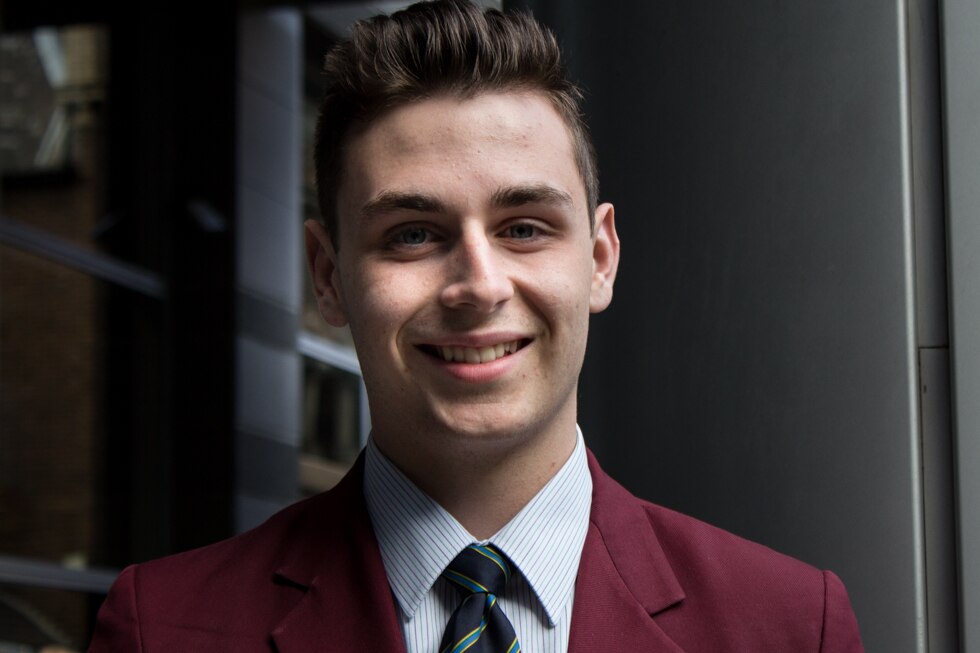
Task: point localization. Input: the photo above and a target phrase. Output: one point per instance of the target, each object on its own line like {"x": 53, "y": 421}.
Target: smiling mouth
{"x": 474, "y": 355}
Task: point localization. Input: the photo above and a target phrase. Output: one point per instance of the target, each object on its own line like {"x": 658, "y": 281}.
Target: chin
{"x": 484, "y": 425}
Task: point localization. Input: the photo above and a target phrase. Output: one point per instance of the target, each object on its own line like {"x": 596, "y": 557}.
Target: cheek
{"x": 377, "y": 312}
{"x": 384, "y": 301}
{"x": 562, "y": 296}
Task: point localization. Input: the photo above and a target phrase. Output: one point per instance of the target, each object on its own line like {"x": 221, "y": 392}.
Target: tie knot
{"x": 479, "y": 568}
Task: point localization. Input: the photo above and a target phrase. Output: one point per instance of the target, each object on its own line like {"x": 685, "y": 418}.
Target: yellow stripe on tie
{"x": 474, "y": 634}
{"x": 455, "y": 576}
{"x": 496, "y": 560}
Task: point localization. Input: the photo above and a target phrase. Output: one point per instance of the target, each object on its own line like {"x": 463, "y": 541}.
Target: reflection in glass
{"x": 52, "y": 129}
{"x": 52, "y": 330}
{"x": 44, "y": 620}
{"x": 52, "y": 326}
{"x": 331, "y": 435}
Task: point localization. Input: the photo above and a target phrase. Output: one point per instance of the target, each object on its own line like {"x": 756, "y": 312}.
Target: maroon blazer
{"x": 311, "y": 579}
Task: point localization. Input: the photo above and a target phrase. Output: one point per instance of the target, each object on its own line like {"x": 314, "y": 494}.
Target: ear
{"x": 322, "y": 260}
{"x": 605, "y": 258}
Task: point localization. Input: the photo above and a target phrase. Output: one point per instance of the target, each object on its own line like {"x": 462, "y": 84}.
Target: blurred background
{"x": 793, "y": 352}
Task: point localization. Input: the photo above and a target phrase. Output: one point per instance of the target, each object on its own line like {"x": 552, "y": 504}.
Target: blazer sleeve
{"x": 840, "y": 629}
{"x": 117, "y": 629}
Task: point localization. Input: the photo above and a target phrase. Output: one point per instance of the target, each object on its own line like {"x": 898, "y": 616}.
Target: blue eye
{"x": 412, "y": 236}
{"x": 521, "y": 231}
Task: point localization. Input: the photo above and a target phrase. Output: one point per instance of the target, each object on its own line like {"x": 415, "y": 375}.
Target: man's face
{"x": 467, "y": 270}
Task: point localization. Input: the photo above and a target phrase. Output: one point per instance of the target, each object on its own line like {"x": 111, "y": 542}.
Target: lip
{"x": 476, "y": 372}
{"x": 475, "y": 340}
{"x": 480, "y": 372}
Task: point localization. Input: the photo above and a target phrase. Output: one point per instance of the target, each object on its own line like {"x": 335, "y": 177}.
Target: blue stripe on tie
{"x": 471, "y": 638}
{"x": 464, "y": 581}
{"x": 493, "y": 555}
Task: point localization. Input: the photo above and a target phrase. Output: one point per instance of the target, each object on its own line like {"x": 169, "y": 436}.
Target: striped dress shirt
{"x": 418, "y": 539}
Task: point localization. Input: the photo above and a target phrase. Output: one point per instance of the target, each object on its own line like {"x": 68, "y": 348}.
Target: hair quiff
{"x": 443, "y": 47}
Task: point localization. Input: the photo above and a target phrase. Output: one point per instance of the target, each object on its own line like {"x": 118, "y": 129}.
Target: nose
{"x": 477, "y": 278}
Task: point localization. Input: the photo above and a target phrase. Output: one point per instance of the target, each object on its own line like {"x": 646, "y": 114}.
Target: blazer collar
{"x": 334, "y": 556}
{"x": 624, "y": 578}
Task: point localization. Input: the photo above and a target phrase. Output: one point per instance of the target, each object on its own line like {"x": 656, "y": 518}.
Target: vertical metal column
{"x": 269, "y": 262}
{"x": 961, "y": 95}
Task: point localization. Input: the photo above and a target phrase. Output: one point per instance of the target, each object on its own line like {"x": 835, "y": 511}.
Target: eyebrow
{"x": 389, "y": 200}
{"x": 503, "y": 198}
{"x": 513, "y": 196}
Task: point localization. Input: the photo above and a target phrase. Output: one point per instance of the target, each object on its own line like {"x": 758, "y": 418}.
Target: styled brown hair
{"x": 443, "y": 47}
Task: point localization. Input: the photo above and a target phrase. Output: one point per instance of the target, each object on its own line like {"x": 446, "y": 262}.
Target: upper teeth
{"x": 478, "y": 354}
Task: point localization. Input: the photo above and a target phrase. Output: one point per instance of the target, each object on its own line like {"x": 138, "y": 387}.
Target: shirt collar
{"x": 418, "y": 538}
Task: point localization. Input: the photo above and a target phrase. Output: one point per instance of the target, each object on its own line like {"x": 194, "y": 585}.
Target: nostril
{"x": 476, "y": 295}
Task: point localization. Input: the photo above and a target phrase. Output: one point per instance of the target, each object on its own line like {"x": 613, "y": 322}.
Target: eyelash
{"x": 398, "y": 238}
{"x": 534, "y": 230}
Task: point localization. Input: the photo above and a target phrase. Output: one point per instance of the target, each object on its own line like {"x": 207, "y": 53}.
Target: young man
{"x": 463, "y": 243}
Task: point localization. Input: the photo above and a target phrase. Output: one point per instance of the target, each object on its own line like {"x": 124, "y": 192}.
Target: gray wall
{"x": 776, "y": 168}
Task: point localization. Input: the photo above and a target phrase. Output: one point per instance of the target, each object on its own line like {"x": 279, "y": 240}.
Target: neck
{"x": 483, "y": 484}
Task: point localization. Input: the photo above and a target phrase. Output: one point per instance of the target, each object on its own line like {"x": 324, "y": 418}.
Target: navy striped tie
{"x": 479, "y": 625}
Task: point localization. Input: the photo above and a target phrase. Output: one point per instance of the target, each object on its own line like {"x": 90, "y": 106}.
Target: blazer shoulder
{"x": 708, "y": 589}
{"x": 258, "y": 547}
{"x": 224, "y": 596}
{"x": 703, "y": 557}
{"x": 692, "y": 544}
{"x": 752, "y": 592}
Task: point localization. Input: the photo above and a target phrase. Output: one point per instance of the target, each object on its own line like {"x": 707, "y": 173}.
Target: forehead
{"x": 444, "y": 145}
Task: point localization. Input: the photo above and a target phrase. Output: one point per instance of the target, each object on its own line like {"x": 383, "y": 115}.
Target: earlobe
{"x": 322, "y": 260}
{"x": 605, "y": 258}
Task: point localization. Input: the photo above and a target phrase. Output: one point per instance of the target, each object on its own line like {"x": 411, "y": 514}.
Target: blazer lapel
{"x": 624, "y": 577}
{"x": 347, "y": 604}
